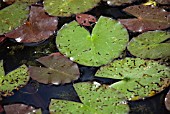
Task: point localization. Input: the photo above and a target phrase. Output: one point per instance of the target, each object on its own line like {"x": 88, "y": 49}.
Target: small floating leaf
{"x": 39, "y": 27}
{"x": 96, "y": 99}
{"x": 150, "y": 45}
{"x": 148, "y": 18}
{"x": 21, "y": 109}
{"x": 13, "y": 16}
{"x": 139, "y": 78}
{"x": 107, "y": 42}
{"x": 85, "y": 19}
{"x": 167, "y": 101}
{"x": 58, "y": 70}
{"x": 68, "y": 7}
{"x": 13, "y": 80}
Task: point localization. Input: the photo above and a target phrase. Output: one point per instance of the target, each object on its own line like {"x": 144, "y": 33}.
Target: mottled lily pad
{"x": 148, "y": 18}
{"x": 167, "y": 101}
{"x": 107, "y": 42}
{"x": 13, "y": 16}
{"x": 96, "y": 99}
{"x": 150, "y": 45}
{"x": 68, "y": 7}
{"x": 139, "y": 78}
{"x": 13, "y": 80}
{"x": 39, "y": 27}
{"x": 21, "y": 109}
{"x": 58, "y": 70}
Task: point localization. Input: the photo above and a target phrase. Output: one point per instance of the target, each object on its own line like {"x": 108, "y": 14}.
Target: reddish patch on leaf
{"x": 2, "y": 38}
{"x": 39, "y": 27}
{"x": 85, "y": 19}
{"x": 148, "y": 18}
{"x": 1, "y": 109}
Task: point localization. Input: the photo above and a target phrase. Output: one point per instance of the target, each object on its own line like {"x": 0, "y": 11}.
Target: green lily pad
{"x": 107, "y": 42}
{"x": 139, "y": 78}
{"x": 96, "y": 99}
{"x": 13, "y": 80}
{"x": 150, "y": 45}
{"x": 13, "y": 16}
{"x": 68, "y": 7}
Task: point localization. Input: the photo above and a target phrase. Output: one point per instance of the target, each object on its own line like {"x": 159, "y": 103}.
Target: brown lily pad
{"x": 85, "y": 19}
{"x": 39, "y": 27}
{"x": 148, "y": 18}
{"x": 58, "y": 70}
{"x": 2, "y": 38}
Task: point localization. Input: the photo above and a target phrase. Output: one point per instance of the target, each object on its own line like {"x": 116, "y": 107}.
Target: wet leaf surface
{"x": 13, "y": 80}
{"x": 96, "y": 99}
{"x": 12, "y": 17}
{"x": 167, "y": 101}
{"x": 21, "y": 109}
{"x": 148, "y": 18}
{"x": 85, "y": 19}
{"x": 68, "y": 7}
{"x": 39, "y": 27}
{"x": 107, "y": 42}
{"x": 150, "y": 45}
{"x": 139, "y": 78}
{"x": 58, "y": 70}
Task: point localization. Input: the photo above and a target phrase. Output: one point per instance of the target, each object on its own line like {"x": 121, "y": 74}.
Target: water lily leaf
{"x": 39, "y": 27}
{"x": 167, "y": 101}
{"x": 12, "y": 17}
{"x": 13, "y": 80}
{"x": 21, "y": 1}
{"x": 2, "y": 38}
{"x": 150, "y": 45}
{"x": 139, "y": 78}
{"x": 85, "y": 19}
{"x": 95, "y": 100}
{"x": 107, "y": 41}
{"x": 120, "y": 2}
{"x": 58, "y": 70}
{"x": 68, "y": 7}
{"x": 21, "y": 109}
{"x": 148, "y": 18}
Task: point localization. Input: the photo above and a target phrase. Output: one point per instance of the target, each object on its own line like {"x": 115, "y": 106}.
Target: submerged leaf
{"x": 85, "y": 19}
{"x": 68, "y": 7}
{"x": 21, "y": 109}
{"x": 148, "y": 18}
{"x": 58, "y": 70}
{"x": 39, "y": 27}
{"x": 96, "y": 99}
{"x": 107, "y": 42}
{"x": 12, "y": 17}
{"x": 150, "y": 45}
{"x": 139, "y": 78}
{"x": 167, "y": 101}
{"x": 13, "y": 80}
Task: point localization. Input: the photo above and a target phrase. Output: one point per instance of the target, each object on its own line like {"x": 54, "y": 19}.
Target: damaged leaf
{"x": 13, "y": 80}
{"x": 95, "y": 98}
{"x": 150, "y": 45}
{"x": 39, "y": 27}
{"x": 85, "y": 19}
{"x": 13, "y": 16}
{"x": 148, "y": 18}
{"x": 107, "y": 42}
{"x": 68, "y": 7}
{"x": 58, "y": 70}
{"x": 139, "y": 78}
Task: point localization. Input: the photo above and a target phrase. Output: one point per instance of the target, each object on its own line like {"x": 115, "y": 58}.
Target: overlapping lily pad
{"x": 148, "y": 18}
{"x": 107, "y": 42}
{"x": 13, "y": 16}
{"x": 96, "y": 99}
{"x": 39, "y": 27}
{"x": 13, "y": 80}
{"x": 58, "y": 70}
{"x": 68, "y": 7}
{"x": 139, "y": 78}
{"x": 150, "y": 45}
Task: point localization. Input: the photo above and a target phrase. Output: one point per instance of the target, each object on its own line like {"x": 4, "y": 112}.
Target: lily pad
{"x": 13, "y": 16}
{"x": 120, "y": 2}
{"x": 96, "y": 99}
{"x": 150, "y": 45}
{"x": 2, "y": 38}
{"x": 13, "y": 80}
{"x": 21, "y": 1}
{"x": 39, "y": 27}
{"x": 167, "y": 101}
{"x": 148, "y": 18}
{"x": 21, "y": 109}
{"x": 68, "y": 7}
{"x": 85, "y": 19}
{"x": 58, "y": 70}
{"x": 107, "y": 42}
{"x": 139, "y": 78}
